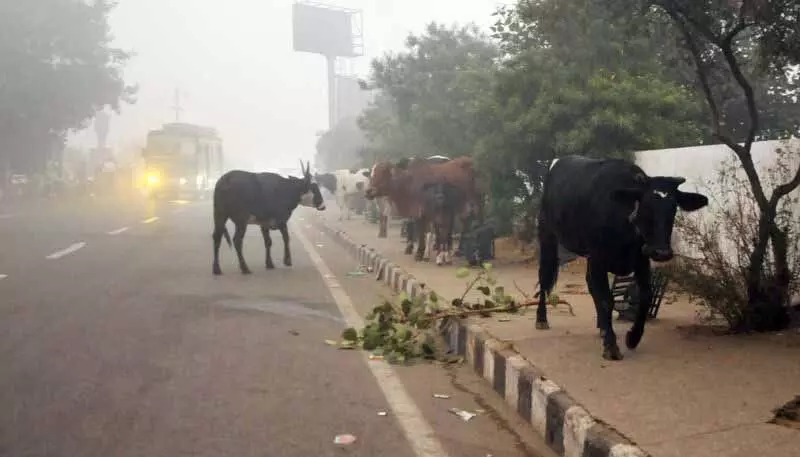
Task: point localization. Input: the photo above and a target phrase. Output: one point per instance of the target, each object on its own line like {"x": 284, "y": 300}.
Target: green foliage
{"x": 405, "y": 329}
{"x": 430, "y": 94}
{"x": 573, "y": 76}
{"x": 58, "y": 68}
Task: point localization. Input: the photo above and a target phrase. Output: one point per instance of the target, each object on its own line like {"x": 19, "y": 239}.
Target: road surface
{"x": 117, "y": 341}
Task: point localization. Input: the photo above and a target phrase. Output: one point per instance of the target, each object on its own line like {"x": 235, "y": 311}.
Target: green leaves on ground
{"x": 407, "y": 328}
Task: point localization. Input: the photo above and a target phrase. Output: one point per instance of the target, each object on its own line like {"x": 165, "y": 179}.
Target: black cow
{"x": 612, "y": 213}
{"x": 265, "y": 199}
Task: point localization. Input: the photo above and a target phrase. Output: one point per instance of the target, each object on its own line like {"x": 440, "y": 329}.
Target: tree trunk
{"x": 766, "y": 289}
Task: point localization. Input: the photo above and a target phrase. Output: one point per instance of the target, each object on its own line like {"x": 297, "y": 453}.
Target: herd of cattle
{"x": 606, "y": 210}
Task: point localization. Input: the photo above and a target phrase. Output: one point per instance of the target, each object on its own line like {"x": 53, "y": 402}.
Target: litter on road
{"x": 344, "y": 439}
{"x": 382, "y": 413}
{"x": 444, "y": 396}
{"x": 464, "y": 415}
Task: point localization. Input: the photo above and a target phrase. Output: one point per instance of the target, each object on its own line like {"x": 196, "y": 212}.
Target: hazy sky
{"x": 238, "y": 73}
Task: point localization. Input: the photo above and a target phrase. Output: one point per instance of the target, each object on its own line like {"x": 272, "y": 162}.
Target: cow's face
{"x": 311, "y": 195}
{"x": 380, "y": 180}
{"x": 655, "y": 205}
{"x": 312, "y": 198}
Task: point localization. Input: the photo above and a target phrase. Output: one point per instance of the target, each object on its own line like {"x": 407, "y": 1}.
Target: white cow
{"x": 346, "y": 186}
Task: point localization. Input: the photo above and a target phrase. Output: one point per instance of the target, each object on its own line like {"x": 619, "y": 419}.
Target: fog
{"x": 237, "y": 71}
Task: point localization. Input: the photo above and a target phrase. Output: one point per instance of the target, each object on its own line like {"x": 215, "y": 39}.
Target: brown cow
{"x": 417, "y": 188}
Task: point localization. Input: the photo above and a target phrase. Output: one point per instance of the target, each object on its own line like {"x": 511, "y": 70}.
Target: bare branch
{"x": 784, "y": 189}
{"x": 702, "y": 76}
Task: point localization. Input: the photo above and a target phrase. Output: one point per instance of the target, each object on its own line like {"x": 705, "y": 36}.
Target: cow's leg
{"x": 411, "y": 229}
{"x": 287, "y": 255}
{"x": 642, "y": 272}
{"x": 340, "y": 203}
{"x": 451, "y": 222}
{"x": 383, "y": 221}
{"x": 430, "y": 239}
{"x": 597, "y": 307}
{"x": 216, "y": 236}
{"x": 422, "y": 229}
{"x": 605, "y": 304}
{"x": 438, "y": 243}
{"x": 267, "y": 247}
{"x": 238, "y": 239}
{"x": 548, "y": 272}
{"x": 348, "y": 202}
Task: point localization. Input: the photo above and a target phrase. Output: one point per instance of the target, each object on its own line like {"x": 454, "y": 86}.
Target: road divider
{"x": 73, "y": 248}
{"x": 118, "y": 231}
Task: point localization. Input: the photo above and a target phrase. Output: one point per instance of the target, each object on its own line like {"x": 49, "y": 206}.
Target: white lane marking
{"x": 67, "y": 251}
{"x": 118, "y": 231}
{"x": 418, "y": 432}
{"x": 151, "y": 220}
{"x": 3, "y": 277}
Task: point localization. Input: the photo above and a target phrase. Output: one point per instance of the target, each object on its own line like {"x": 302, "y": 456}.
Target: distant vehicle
{"x": 182, "y": 161}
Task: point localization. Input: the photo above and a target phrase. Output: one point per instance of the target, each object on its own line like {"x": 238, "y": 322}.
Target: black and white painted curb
{"x": 567, "y": 428}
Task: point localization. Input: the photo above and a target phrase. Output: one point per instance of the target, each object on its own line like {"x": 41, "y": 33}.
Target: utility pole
{"x": 177, "y": 107}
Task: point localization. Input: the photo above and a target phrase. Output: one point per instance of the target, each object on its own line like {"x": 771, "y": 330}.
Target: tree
{"x": 58, "y": 68}
{"x": 430, "y": 90}
{"x": 387, "y": 137}
{"x": 725, "y": 40}
{"x": 574, "y": 79}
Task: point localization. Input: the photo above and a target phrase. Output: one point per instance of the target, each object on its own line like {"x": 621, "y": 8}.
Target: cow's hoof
{"x": 542, "y": 326}
{"x": 612, "y": 353}
{"x": 216, "y": 270}
{"x": 270, "y": 266}
{"x": 246, "y": 271}
{"x": 632, "y": 339}
{"x": 601, "y": 333}
{"x": 409, "y": 250}
{"x": 287, "y": 262}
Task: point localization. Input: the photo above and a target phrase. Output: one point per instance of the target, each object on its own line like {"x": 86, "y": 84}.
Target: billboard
{"x": 323, "y": 30}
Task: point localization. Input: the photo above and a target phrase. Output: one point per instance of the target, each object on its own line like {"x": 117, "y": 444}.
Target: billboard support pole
{"x": 331, "y": 61}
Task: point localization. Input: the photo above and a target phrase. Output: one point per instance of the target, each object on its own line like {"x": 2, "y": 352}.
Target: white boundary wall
{"x": 700, "y": 165}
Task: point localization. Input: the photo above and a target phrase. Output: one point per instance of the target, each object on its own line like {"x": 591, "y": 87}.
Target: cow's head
{"x": 380, "y": 180}
{"x": 311, "y": 195}
{"x": 655, "y": 203}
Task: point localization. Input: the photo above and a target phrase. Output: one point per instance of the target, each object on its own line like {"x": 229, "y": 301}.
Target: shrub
{"x": 717, "y": 244}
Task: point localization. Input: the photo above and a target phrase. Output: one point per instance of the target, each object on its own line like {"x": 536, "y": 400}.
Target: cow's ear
{"x": 690, "y": 201}
{"x": 365, "y": 173}
{"x": 627, "y": 195}
{"x": 402, "y": 163}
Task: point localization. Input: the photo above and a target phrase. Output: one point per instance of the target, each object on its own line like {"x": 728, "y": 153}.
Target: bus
{"x": 182, "y": 161}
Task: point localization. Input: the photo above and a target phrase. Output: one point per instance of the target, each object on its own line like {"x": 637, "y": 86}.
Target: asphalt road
{"x": 116, "y": 340}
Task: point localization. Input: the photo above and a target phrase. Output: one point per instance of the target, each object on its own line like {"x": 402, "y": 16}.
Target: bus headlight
{"x": 183, "y": 181}
{"x": 153, "y": 179}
